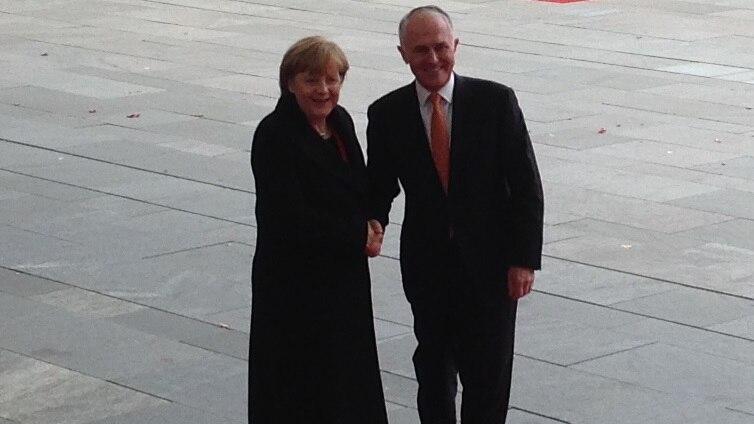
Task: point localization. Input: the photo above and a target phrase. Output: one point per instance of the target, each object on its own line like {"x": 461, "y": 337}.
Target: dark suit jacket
{"x": 494, "y": 202}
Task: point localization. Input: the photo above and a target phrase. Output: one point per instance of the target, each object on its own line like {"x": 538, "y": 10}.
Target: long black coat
{"x": 313, "y": 356}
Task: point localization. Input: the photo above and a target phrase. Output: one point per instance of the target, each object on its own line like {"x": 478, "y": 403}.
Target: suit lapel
{"x": 462, "y": 106}
{"x": 416, "y": 142}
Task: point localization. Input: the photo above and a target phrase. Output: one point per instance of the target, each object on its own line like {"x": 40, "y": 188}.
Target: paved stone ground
{"x": 126, "y": 223}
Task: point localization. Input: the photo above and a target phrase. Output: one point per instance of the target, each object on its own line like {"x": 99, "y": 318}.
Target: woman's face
{"x": 317, "y": 93}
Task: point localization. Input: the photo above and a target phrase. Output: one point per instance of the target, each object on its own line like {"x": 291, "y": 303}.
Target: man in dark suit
{"x": 472, "y": 232}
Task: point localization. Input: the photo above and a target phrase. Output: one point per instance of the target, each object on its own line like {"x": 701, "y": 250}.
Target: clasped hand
{"x": 520, "y": 281}
{"x": 375, "y": 234}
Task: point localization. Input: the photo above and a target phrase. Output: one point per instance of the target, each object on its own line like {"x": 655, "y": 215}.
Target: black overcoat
{"x": 313, "y": 357}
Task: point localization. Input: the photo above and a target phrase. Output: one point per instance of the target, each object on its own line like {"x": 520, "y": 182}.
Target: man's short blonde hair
{"x": 311, "y": 54}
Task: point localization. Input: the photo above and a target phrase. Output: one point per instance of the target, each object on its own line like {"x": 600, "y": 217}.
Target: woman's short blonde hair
{"x": 311, "y": 54}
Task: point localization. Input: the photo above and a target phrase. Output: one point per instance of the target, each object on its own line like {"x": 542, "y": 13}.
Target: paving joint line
{"x": 635, "y": 274}
{"x": 131, "y": 198}
{"x": 189, "y": 249}
{"x": 393, "y": 322}
{"x": 740, "y": 411}
{"x": 628, "y": 53}
{"x": 276, "y": 6}
{"x": 22, "y": 354}
{"x": 122, "y": 165}
{"x": 187, "y": 343}
{"x": 400, "y": 404}
{"x": 73, "y": 286}
{"x": 679, "y": 115}
{"x": 638, "y": 36}
{"x": 593, "y": 374}
{"x": 557, "y": 420}
{"x": 643, "y": 315}
{"x": 27, "y": 230}
{"x": 544, "y": 361}
{"x": 607, "y": 355}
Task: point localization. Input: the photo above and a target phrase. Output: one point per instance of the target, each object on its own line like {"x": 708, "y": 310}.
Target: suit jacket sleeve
{"x": 525, "y": 187}
{"x": 381, "y": 172}
{"x": 283, "y": 209}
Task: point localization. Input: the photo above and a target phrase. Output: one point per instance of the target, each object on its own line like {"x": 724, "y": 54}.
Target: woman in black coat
{"x": 313, "y": 356}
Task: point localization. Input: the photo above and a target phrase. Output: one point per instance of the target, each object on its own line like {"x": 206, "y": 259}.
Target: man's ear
{"x": 455, "y": 44}
{"x": 403, "y": 53}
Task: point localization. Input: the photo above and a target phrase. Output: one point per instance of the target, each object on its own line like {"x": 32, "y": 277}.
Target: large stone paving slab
{"x": 21, "y": 284}
{"x": 620, "y": 182}
{"x": 569, "y": 395}
{"x": 36, "y": 392}
{"x": 690, "y": 306}
{"x": 632, "y": 211}
{"x": 709, "y": 378}
{"x": 729, "y": 202}
{"x": 125, "y": 243}
{"x": 721, "y": 342}
{"x": 172, "y": 413}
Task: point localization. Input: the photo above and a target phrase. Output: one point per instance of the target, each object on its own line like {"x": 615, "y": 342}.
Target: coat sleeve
{"x": 381, "y": 175}
{"x": 525, "y": 186}
{"x": 282, "y": 209}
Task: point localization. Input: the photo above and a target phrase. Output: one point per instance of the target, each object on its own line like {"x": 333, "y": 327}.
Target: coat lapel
{"x": 356, "y": 165}
{"x": 321, "y": 155}
{"x": 312, "y": 146}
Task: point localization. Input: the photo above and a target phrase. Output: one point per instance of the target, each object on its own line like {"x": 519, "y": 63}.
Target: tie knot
{"x": 436, "y": 99}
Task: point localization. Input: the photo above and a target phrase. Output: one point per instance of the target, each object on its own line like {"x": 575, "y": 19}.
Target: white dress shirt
{"x": 425, "y": 105}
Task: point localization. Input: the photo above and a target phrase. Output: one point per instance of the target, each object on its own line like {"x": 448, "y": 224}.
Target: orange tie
{"x": 440, "y": 142}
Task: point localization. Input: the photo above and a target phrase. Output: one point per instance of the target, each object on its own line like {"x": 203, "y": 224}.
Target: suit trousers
{"x": 464, "y": 329}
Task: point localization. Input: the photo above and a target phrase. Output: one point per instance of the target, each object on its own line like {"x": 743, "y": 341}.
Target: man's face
{"x": 429, "y": 49}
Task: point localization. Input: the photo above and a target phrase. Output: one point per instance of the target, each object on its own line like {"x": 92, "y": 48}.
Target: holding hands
{"x": 375, "y": 234}
{"x": 520, "y": 281}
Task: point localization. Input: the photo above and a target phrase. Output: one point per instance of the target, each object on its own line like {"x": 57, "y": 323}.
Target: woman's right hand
{"x": 375, "y": 234}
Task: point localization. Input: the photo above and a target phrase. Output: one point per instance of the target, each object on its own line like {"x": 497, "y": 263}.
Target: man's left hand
{"x": 520, "y": 281}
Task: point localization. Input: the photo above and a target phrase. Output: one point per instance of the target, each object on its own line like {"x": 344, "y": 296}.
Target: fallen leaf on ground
{"x": 92, "y": 110}
{"x": 133, "y": 115}
{"x": 601, "y": 131}
{"x": 197, "y": 115}
{"x": 224, "y": 325}
{"x": 626, "y": 246}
